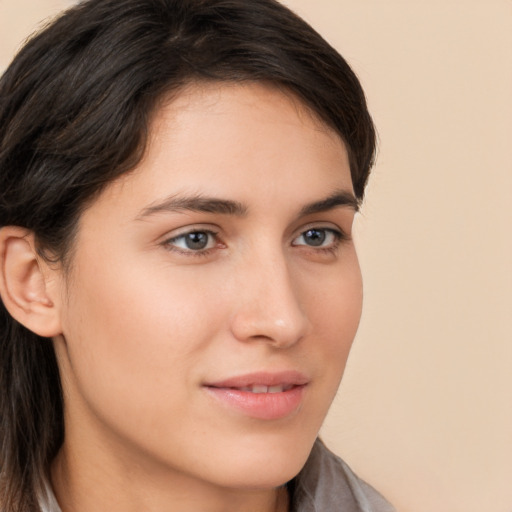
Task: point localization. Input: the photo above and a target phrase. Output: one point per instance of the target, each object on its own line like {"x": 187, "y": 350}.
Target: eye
{"x": 193, "y": 241}
{"x": 318, "y": 237}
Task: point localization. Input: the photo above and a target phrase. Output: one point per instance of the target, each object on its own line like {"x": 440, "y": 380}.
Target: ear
{"x": 28, "y": 286}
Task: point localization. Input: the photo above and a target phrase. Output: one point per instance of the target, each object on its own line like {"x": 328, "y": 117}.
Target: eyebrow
{"x": 338, "y": 198}
{"x": 199, "y": 203}
{"x": 196, "y": 203}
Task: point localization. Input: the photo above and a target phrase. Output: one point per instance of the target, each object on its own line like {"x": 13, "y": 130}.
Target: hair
{"x": 75, "y": 109}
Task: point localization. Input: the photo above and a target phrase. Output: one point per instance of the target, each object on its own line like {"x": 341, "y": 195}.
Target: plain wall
{"x": 425, "y": 408}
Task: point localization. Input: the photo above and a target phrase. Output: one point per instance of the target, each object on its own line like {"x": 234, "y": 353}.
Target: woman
{"x": 179, "y": 284}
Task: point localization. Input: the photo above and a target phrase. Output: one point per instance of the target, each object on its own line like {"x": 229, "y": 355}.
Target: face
{"x": 214, "y": 293}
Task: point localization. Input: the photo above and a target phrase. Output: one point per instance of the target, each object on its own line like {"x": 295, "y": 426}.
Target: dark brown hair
{"x": 75, "y": 106}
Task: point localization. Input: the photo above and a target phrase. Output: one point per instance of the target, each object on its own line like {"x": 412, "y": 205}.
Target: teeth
{"x": 260, "y": 388}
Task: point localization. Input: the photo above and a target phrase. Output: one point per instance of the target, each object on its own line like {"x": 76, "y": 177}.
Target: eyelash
{"x": 338, "y": 235}
{"x": 170, "y": 244}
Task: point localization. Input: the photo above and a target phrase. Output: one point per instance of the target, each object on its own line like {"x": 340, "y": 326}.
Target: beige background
{"x": 425, "y": 410}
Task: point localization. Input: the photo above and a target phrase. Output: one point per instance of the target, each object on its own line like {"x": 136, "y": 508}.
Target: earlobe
{"x": 27, "y": 284}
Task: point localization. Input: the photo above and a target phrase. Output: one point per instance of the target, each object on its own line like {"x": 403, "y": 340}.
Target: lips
{"x": 262, "y": 395}
{"x": 268, "y": 379}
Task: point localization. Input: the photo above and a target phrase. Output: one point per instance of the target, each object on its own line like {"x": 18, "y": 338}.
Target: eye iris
{"x": 315, "y": 237}
{"x": 197, "y": 240}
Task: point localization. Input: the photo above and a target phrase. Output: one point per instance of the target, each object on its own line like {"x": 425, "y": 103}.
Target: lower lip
{"x": 263, "y": 406}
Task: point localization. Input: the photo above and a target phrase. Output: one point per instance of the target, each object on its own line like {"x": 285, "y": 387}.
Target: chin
{"x": 258, "y": 464}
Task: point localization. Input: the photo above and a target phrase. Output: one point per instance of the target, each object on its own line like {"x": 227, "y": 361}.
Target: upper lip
{"x": 287, "y": 378}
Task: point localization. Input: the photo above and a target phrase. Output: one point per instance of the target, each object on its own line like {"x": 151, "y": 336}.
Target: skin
{"x": 146, "y": 321}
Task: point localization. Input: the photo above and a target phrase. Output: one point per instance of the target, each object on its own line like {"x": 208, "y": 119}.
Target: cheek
{"x": 335, "y": 312}
{"x": 131, "y": 336}
{"x": 335, "y": 305}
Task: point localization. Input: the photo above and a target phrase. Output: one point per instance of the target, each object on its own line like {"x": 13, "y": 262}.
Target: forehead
{"x": 241, "y": 122}
{"x": 248, "y": 142}
{"x": 203, "y": 98}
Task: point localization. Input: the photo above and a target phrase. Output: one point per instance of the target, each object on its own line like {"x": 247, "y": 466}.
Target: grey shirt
{"x": 325, "y": 484}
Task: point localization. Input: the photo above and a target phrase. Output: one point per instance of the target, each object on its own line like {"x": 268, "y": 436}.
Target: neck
{"x": 80, "y": 486}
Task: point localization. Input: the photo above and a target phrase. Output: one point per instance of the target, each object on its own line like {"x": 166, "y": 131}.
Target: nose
{"x": 268, "y": 306}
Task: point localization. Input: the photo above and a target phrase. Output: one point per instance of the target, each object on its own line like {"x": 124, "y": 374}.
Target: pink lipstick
{"x": 261, "y": 395}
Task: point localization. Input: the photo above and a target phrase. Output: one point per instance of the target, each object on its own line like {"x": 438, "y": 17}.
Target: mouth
{"x": 261, "y": 388}
{"x": 265, "y": 396}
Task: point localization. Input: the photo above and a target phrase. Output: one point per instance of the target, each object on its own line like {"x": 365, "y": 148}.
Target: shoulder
{"x": 327, "y": 484}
